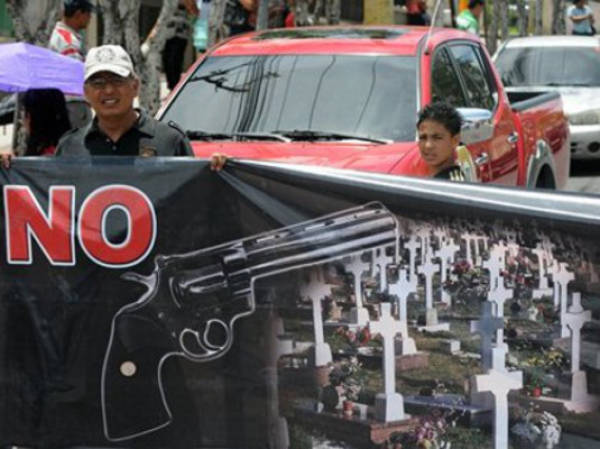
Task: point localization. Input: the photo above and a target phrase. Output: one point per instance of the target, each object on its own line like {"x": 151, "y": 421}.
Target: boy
{"x": 438, "y": 127}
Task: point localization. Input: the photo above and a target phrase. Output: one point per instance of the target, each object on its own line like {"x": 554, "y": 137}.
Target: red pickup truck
{"x": 348, "y": 97}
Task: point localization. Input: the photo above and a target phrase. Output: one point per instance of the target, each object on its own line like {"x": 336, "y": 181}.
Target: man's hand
{"x": 217, "y": 161}
{"x": 6, "y": 159}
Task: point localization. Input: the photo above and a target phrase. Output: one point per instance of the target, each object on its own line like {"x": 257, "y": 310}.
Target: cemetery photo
{"x": 462, "y": 335}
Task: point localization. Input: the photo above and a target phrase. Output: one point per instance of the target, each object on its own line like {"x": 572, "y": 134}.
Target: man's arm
{"x": 580, "y": 18}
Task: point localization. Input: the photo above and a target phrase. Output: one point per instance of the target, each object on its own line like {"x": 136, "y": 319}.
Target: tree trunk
{"x": 539, "y": 17}
{"x": 503, "y": 5}
{"x": 302, "y": 13}
{"x": 21, "y": 23}
{"x": 121, "y": 20}
{"x": 217, "y": 29}
{"x": 333, "y": 11}
{"x": 558, "y": 17}
{"x": 523, "y": 17}
{"x": 492, "y": 36}
{"x": 262, "y": 20}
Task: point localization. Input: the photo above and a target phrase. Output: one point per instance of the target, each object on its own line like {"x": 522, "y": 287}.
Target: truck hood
{"x": 356, "y": 156}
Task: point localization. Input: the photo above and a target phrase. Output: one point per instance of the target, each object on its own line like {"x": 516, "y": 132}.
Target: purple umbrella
{"x": 24, "y": 66}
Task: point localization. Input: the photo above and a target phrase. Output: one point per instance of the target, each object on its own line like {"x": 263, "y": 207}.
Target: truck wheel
{"x": 545, "y": 179}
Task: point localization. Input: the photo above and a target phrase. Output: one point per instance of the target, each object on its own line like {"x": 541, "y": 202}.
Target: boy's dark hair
{"x": 474, "y": 3}
{"x": 444, "y": 114}
{"x": 72, "y": 6}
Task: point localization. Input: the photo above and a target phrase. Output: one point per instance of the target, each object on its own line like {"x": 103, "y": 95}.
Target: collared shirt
{"x": 66, "y": 41}
{"x": 147, "y": 137}
{"x": 466, "y": 21}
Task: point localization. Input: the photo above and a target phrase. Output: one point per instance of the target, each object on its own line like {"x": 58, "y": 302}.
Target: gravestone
{"x": 496, "y": 264}
{"x": 389, "y": 405}
{"x": 575, "y": 318}
{"x": 402, "y": 289}
{"x": 446, "y": 254}
{"x": 468, "y": 238}
{"x": 358, "y": 314}
{"x": 543, "y": 268}
{"x": 424, "y": 235}
{"x": 412, "y": 245}
{"x": 499, "y": 384}
{"x": 498, "y": 297}
{"x": 428, "y": 270}
{"x": 562, "y": 277}
{"x": 486, "y": 327}
{"x": 315, "y": 290}
{"x": 382, "y": 260}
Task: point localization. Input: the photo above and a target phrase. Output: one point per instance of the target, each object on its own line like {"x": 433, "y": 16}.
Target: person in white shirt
{"x": 67, "y": 37}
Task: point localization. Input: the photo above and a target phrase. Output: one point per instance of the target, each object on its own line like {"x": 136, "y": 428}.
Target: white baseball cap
{"x": 108, "y": 58}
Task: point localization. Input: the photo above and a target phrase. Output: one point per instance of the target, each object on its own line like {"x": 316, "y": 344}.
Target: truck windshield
{"x": 549, "y": 66}
{"x": 368, "y": 96}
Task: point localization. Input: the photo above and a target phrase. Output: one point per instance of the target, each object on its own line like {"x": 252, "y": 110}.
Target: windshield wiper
{"x": 204, "y": 135}
{"x": 307, "y": 134}
{"x": 261, "y": 136}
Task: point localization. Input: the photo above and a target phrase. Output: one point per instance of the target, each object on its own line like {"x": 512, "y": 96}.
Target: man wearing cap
{"x": 118, "y": 129}
{"x": 67, "y": 38}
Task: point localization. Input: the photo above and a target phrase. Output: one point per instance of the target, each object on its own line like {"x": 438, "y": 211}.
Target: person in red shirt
{"x": 416, "y": 12}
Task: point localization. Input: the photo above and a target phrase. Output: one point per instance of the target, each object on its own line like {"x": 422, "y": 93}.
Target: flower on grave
{"x": 346, "y": 375}
{"x": 364, "y": 335}
{"x": 537, "y": 428}
{"x": 461, "y": 267}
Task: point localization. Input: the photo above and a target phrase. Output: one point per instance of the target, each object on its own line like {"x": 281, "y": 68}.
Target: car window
{"x": 549, "y": 66}
{"x": 445, "y": 84}
{"x": 474, "y": 76}
{"x": 367, "y": 95}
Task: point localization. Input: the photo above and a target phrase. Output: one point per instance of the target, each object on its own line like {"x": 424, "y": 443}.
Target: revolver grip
{"x": 133, "y": 399}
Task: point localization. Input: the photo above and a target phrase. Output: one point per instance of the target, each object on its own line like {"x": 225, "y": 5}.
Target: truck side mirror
{"x": 477, "y": 125}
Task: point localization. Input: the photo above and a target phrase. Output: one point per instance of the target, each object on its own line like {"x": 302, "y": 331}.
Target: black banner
{"x": 154, "y": 303}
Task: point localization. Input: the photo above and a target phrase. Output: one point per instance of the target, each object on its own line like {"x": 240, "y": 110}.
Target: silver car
{"x": 568, "y": 64}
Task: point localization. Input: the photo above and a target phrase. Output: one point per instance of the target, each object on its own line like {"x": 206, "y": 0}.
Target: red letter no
{"x": 140, "y": 232}
{"x": 25, "y": 219}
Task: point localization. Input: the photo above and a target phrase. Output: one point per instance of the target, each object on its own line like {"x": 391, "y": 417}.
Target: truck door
{"x": 447, "y": 86}
{"x": 500, "y": 155}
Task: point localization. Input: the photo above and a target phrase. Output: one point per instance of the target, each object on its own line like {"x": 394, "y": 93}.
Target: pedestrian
{"x": 416, "y": 12}
{"x": 179, "y": 30}
{"x": 438, "y": 127}
{"x": 46, "y": 120}
{"x": 468, "y": 20}
{"x": 240, "y": 16}
{"x": 582, "y": 17}
{"x": 67, "y": 38}
{"x": 110, "y": 87}
{"x": 201, "y": 26}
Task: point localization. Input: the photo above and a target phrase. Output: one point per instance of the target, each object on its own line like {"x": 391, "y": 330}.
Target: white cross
{"x": 468, "y": 238}
{"x": 446, "y": 254}
{"x": 499, "y": 383}
{"x": 486, "y": 327}
{"x": 575, "y": 318}
{"x": 390, "y": 405}
{"x": 542, "y": 267}
{"x": 495, "y": 264}
{"x": 441, "y": 235}
{"x": 402, "y": 289}
{"x": 425, "y": 236}
{"x": 382, "y": 260}
{"x": 412, "y": 245}
{"x": 357, "y": 267}
{"x": 315, "y": 290}
{"x": 498, "y": 297}
{"x": 428, "y": 269}
{"x": 562, "y": 277}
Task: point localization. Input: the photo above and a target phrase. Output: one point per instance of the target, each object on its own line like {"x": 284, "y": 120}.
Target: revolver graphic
{"x": 193, "y": 300}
